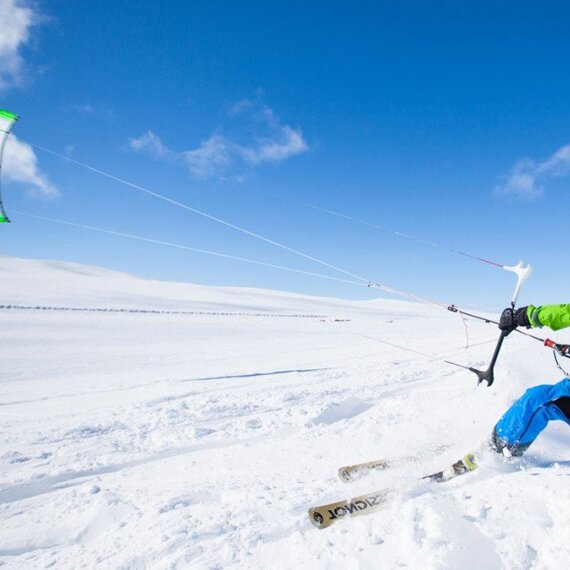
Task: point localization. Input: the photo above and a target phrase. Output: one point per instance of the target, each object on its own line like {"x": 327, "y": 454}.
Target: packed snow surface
{"x": 199, "y": 440}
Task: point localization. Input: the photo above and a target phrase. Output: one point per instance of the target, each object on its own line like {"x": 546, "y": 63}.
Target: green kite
{"x": 7, "y": 121}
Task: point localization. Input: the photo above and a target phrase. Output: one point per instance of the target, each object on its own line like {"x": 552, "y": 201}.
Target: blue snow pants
{"x": 528, "y": 416}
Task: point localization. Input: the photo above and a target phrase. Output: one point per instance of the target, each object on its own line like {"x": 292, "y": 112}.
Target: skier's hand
{"x": 513, "y": 318}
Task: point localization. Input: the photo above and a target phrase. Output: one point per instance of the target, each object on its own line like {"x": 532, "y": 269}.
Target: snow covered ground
{"x": 199, "y": 441}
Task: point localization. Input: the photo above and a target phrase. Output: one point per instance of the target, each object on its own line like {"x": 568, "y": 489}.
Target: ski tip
{"x": 316, "y": 518}
{"x": 350, "y": 473}
{"x": 345, "y": 474}
{"x": 324, "y": 516}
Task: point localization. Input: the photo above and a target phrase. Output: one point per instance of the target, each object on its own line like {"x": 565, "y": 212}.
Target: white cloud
{"x": 527, "y": 176}
{"x": 212, "y": 157}
{"x": 558, "y": 164}
{"x": 151, "y": 144}
{"x": 240, "y": 106}
{"x": 17, "y": 17}
{"x": 287, "y": 142}
{"x": 20, "y": 164}
{"x": 262, "y": 138}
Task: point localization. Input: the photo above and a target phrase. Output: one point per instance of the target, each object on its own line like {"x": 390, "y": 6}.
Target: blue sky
{"x": 444, "y": 121}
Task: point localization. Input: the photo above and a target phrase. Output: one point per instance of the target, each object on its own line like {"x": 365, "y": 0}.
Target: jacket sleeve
{"x": 555, "y": 317}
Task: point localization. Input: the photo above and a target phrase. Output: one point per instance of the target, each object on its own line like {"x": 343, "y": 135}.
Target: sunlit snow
{"x": 199, "y": 440}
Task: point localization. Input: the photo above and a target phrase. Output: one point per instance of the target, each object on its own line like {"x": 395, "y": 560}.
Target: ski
{"x": 350, "y": 473}
{"x": 464, "y": 465}
{"x": 325, "y": 515}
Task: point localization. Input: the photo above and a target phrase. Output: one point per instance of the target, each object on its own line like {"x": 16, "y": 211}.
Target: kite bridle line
{"x": 522, "y": 272}
{"x": 242, "y": 229}
{"x": 405, "y": 235}
{"x": 561, "y": 349}
{"x": 189, "y": 248}
{"x": 419, "y": 353}
{"x": 202, "y": 213}
{"x": 381, "y": 286}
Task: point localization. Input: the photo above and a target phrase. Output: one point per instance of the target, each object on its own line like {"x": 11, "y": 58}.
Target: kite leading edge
{"x": 7, "y": 121}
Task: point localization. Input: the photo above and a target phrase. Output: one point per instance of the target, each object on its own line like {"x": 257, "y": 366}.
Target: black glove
{"x": 511, "y": 319}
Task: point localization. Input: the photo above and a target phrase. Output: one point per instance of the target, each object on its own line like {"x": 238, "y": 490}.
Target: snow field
{"x": 199, "y": 441}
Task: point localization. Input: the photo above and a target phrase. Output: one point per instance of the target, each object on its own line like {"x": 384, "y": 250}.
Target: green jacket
{"x": 554, "y": 317}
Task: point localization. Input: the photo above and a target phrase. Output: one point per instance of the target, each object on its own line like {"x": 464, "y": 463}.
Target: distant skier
{"x": 529, "y": 415}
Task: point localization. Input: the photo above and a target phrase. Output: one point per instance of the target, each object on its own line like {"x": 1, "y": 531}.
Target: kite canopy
{"x": 7, "y": 121}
